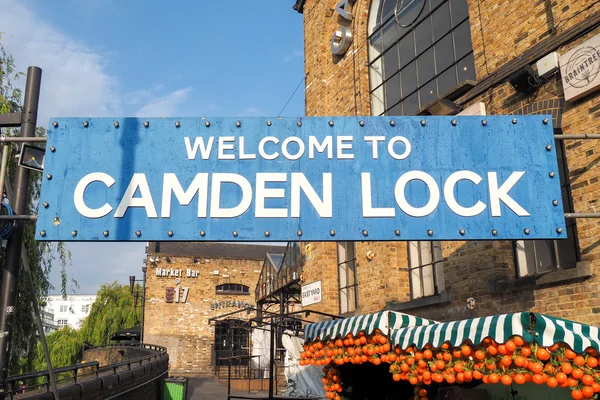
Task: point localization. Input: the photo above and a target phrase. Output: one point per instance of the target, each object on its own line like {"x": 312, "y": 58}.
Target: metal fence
{"x": 39, "y": 382}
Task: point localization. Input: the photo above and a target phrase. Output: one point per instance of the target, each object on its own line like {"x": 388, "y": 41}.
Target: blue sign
{"x": 310, "y": 178}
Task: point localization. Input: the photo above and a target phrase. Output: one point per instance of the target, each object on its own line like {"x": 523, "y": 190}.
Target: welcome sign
{"x": 311, "y": 179}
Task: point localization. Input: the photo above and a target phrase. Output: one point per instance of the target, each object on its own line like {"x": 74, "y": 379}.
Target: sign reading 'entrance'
{"x": 314, "y": 179}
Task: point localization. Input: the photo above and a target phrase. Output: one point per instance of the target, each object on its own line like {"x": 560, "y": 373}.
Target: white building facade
{"x": 70, "y": 311}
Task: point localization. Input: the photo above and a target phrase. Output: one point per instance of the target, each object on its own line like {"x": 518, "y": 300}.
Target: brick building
{"x": 189, "y": 283}
{"x": 475, "y": 57}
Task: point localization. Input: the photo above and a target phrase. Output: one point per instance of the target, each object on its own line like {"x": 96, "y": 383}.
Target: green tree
{"x": 114, "y": 309}
{"x": 41, "y": 255}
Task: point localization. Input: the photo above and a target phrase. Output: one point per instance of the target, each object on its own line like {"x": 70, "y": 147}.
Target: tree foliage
{"x": 41, "y": 255}
{"x": 113, "y": 310}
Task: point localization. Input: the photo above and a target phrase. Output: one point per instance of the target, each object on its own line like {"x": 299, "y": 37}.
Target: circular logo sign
{"x": 583, "y": 67}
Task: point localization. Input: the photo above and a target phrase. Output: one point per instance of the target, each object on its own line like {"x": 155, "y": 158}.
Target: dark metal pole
{"x": 40, "y": 326}
{"x": 143, "y": 304}
{"x": 10, "y": 275}
{"x": 272, "y": 361}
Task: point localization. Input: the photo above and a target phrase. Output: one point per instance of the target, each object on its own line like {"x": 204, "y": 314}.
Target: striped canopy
{"x": 386, "y": 321}
{"x": 533, "y": 327}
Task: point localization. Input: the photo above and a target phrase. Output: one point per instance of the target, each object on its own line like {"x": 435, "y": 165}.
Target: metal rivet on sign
{"x": 545, "y": 121}
{"x": 554, "y": 202}
{"x": 392, "y": 122}
{"x": 235, "y": 233}
{"x": 299, "y": 123}
{"x": 494, "y": 232}
{"x": 332, "y": 232}
{"x": 423, "y": 122}
{"x": 361, "y": 122}
{"x": 267, "y": 233}
{"x": 177, "y": 124}
{"x": 138, "y": 233}
{"x": 105, "y": 233}
{"x": 526, "y": 231}
{"x": 54, "y": 124}
{"x": 52, "y": 149}
{"x": 551, "y": 174}
{"x": 514, "y": 121}
{"x": 73, "y": 233}
{"x": 170, "y": 233}
{"x": 462, "y": 231}
{"x": 331, "y": 123}
{"x": 48, "y": 176}
{"x": 365, "y": 233}
{"x": 116, "y": 124}
{"x": 207, "y": 124}
{"x": 454, "y": 122}
{"x": 484, "y": 122}
{"x": 45, "y": 204}
{"x": 299, "y": 233}
{"x": 202, "y": 233}
{"x": 42, "y": 233}
{"x": 397, "y": 232}
{"x": 549, "y": 147}
{"x": 56, "y": 221}
{"x": 430, "y": 232}
{"x": 269, "y": 123}
{"x": 86, "y": 124}
{"x": 146, "y": 124}
{"x": 559, "y": 230}
{"x": 238, "y": 124}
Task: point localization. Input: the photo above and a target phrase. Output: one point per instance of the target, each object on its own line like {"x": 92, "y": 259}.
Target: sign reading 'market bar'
{"x": 311, "y": 179}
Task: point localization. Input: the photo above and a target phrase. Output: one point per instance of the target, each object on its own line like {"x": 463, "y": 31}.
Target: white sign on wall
{"x": 311, "y": 293}
{"x": 580, "y": 69}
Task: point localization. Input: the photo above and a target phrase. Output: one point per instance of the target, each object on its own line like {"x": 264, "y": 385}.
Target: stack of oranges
{"x": 512, "y": 362}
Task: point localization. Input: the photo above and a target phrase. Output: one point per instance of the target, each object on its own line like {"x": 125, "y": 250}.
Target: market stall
{"x": 392, "y": 355}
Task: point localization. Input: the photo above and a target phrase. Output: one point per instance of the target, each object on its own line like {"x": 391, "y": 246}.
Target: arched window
{"x": 232, "y": 288}
{"x": 419, "y": 51}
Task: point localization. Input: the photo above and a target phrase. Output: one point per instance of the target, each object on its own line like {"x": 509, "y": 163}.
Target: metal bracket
{"x": 11, "y": 120}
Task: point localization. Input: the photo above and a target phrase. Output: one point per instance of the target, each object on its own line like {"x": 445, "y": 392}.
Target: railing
{"x": 72, "y": 374}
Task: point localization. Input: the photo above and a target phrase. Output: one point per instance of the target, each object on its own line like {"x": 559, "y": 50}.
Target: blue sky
{"x": 147, "y": 58}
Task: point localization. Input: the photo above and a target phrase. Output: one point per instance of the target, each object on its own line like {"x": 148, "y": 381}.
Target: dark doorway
{"x": 231, "y": 340}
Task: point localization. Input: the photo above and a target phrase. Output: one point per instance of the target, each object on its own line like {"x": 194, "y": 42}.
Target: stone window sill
{"x": 443, "y": 298}
{"x": 582, "y": 271}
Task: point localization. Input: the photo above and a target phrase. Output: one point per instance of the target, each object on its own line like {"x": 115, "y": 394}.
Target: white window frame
{"x": 63, "y": 308}
{"x": 62, "y": 323}
{"x": 347, "y": 280}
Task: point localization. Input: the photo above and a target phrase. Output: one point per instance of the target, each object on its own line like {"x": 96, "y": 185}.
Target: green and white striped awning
{"x": 386, "y": 321}
{"x": 533, "y": 327}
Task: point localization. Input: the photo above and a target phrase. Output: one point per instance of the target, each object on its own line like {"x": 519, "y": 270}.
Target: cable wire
{"x": 6, "y": 229}
{"x": 290, "y": 99}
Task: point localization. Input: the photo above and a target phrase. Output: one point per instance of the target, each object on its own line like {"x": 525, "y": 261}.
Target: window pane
{"x": 444, "y": 53}
{"x": 387, "y": 9}
{"x": 375, "y": 46}
{"x": 440, "y": 21}
{"x": 423, "y": 36}
{"x": 411, "y": 12}
{"x": 567, "y": 249}
{"x": 409, "y": 79}
{"x": 407, "y": 49}
{"x": 395, "y": 110}
{"x": 426, "y": 66}
{"x": 447, "y": 81}
{"x": 428, "y": 93}
{"x": 466, "y": 68}
{"x": 390, "y": 61}
{"x": 411, "y": 104}
{"x": 434, "y": 3}
{"x": 389, "y": 34}
{"x": 544, "y": 253}
{"x": 459, "y": 11}
{"x": 462, "y": 40}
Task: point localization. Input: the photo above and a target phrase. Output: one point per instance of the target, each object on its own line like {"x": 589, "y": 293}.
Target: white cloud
{"x": 165, "y": 106}
{"x": 74, "y": 77}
